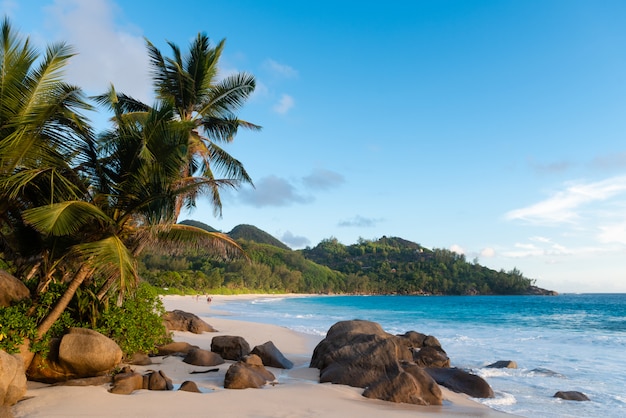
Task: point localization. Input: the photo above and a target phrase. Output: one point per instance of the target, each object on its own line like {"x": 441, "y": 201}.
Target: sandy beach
{"x": 296, "y": 394}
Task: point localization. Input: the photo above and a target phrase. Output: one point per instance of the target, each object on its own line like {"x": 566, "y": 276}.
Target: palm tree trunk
{"x": 63, "y": 301}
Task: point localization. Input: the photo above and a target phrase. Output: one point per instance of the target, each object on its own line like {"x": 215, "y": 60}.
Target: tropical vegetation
{"x": 77, "y": 208}
{"x": 383, "y": 266}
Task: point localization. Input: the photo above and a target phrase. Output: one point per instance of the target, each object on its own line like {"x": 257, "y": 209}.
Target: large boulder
{"x": 12, "y": 379}
{"x": 431, "y": 356}
{"x": 178, "y": 320}
{"x": 461, "y": 381}
{"x": 79, "y": 353}
{"x": 361, "y": 354}
{"x": 230, "y": 347}
{"x": 271, "y": 356}
{"x": 13, "y": 290}
{"x": 247, "y": 373}
{"x": 200, "y": 357}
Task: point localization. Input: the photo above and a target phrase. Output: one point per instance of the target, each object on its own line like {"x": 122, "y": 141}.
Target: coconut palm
{"x": 193, "y": 85}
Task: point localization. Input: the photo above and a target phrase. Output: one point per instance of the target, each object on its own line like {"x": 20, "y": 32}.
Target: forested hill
{"x": 383, "y": 266}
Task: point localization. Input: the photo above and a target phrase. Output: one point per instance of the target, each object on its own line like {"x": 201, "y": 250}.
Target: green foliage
{"x": 136, "y": 325}
{"x": 389, "y": 265}
{"x": 15, "y": 326}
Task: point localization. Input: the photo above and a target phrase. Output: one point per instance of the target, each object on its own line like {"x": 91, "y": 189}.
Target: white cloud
{"x": 615, "y": 233}
{"x": 564, "y": 206}
{"x": 281, "y": 70}
{"x": 107, "y": 53}
{"x": 488, "y": 252}
{"x": 457, "y": 249}
{"x": 285, "y": 104}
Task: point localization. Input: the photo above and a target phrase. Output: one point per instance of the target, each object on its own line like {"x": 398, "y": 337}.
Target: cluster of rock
{"x": 399, "y": 368}
{"x": 405, "y": 368}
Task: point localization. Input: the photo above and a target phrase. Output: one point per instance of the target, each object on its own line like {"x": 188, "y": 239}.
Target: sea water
{"x": 560, "y": 343}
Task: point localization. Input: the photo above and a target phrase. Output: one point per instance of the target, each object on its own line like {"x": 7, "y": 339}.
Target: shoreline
{"x": 297, "y": 393}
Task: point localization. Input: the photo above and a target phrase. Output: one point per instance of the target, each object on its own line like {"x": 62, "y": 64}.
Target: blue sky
{"x": 492, "y": 128}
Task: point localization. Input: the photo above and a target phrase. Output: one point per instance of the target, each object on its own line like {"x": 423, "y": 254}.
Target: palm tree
{"x": 192, "y": 84}
{"x": 42, "y": 134}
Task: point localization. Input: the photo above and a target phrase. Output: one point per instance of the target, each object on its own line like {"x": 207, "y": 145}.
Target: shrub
{"x": 136, "y": 325}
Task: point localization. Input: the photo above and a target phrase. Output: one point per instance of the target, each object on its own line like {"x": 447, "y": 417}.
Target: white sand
{"x": 297, "y": 393}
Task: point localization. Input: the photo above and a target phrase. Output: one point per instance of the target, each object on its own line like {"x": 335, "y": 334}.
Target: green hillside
{"x": 384, "y": 266}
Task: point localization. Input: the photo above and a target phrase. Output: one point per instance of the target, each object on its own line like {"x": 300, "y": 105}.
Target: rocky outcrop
{"x": 426, "y": 349}
{"x": 247, "y": 373}
{"x": 13, "y": 290}
{"x": 461, "y": 381}
{"x": 128, "y": 382}
{"x": 571, "y": 395}
{"x": 271, "y": 356}
{"x": 79, "y": 353}
{"x": 230, "y": 347}
{"x": 200, "y": 357}
{"x": 12, "y": 379}
{"x": 361, "y": 354}
{"x": 538, "y": 291}
{"x": 178, "y": 320}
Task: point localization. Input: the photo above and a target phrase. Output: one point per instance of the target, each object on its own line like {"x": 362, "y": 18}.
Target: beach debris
{"x": 12, "y": 379}
{"x": 204, "y": 371}
{"x": 247, "y": 373}
{"x": 79, "y": 353}
{"x": 461, "y": 381}
{"x": 178, "y": 320}
{"x": 189, "y": 386}
{"x": 271, "y": 356}
{"x": 230, "y": 347}
{"x": 571, "y": 395}
{"x": 200, "y": 357}
{"x": 361, "y": 354}
{"x": 503, "y": 364}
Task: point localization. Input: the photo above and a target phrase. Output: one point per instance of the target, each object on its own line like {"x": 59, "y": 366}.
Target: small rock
{"x": 126, "y": 383}
{"x": 230, "y": 347}
{"x": 189, "y": 386}
{"x": 271, "y": 356}
{"x": 571, "y": 395}
{"x": 200, "y": 357}
{"x": 175, "y": 348}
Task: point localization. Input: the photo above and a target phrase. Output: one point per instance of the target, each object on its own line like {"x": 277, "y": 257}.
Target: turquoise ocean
{"x": 566, "y": 342}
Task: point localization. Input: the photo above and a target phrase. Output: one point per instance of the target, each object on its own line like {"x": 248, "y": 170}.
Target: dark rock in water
{"x": 546, "y": 372}
{"x": 189, "y": 386}
{"x": 571, "y": 395}
{"x": 361, "y": 354}
{"x": 200, "y": 357}
{"x": 461, "y": 381}
{"x": 230, "y": 347}
{"x": 247, "y": 373}
{"x": 178, "y": 320}
{"x": 271, "y": 356}
{"x": 537, "y": 291}
{"x": 503, "y": 364}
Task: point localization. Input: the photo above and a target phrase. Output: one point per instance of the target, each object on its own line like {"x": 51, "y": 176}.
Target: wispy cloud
{"x": 457, "y": 249}
{"x": 272, "y": 191}
{"x": 280, "y": 70}
{"x": 617, "y": 160}
{"x": 295, "y": 241}
{"x": 284, "y": 105}
{"x": 564, "y": 206}
{"x": 614, "y": 233}
{"x": 322, "y": 179}
{"x": 550, "y": 168}
{"x": 360, "y": 222}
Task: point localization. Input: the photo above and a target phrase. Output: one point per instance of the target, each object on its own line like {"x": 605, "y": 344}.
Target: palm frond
{"x": 178, "y": 237}
{"x": 64, "y": 218}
